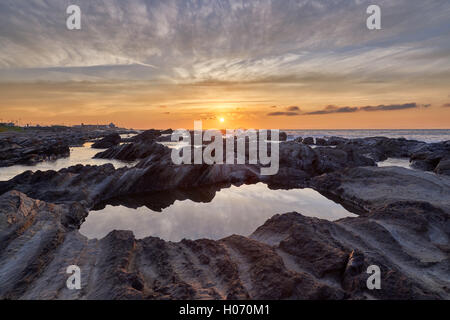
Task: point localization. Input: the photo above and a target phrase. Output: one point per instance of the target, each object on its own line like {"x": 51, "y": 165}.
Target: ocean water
{"x": 426, "y": 135}
{"x": 235, "y": 210}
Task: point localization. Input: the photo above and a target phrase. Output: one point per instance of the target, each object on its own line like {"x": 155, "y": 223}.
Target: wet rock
{"x": 107, "y": 142}
{"x": 133, "y": 151}
{"x": 147, "y": 136}
{"x": 369, "y": 188}
{"x": 443, "y": 167}
{"x": 429, "y": 156}
{"x": 335, "y": 141}
{"x": 308, "y": 141}
{"x": 283, "y": 136}
{"x": 321, "y": 142}
{"x": 404, "y": 230}
{"x": 330, "y": 159}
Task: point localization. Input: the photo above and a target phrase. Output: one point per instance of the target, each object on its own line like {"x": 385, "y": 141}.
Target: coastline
{"x": 403, "y": 225}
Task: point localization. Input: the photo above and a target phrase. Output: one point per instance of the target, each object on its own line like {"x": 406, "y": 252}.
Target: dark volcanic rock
{"x": 289, "y": 257}
{"x": 32, "y": 145}
{"x": 107, "y": 142}
{"x": 29, "y": 151}
{"x": 147, "y": 136}
{"x": 403, "y": 227}
{"x": 371, "y": 188}
{"x": 335, "y": 141}
{"x": 429, "y": 157}
{"x": 133, "y": 151}
{"x": 380, "y": 148}
{"x": 321, "y": 142}
{"x": 443, "y": 167}
{"x": 283, "y": 136}
{"x": 308, "y": 141}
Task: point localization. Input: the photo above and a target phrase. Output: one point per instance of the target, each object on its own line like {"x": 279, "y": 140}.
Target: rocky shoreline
{"x": 33, "y": 146}
{"x": 403, "y": 227}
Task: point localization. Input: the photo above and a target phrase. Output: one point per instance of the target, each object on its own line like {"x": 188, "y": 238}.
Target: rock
{"x": 33, "y": 146}
{"x": 429, "y": 156}
{"x": 330, "y": 159}
{"x": 298, "y": 140}
{"x": 366, "y": 189}
{"x": 443, "y": 167}
{"x": 31, "y": 151}
{"x": 107, "y": 142}
{"x": 321, "y": 142}
{"x": 133, "y": 151}
{"x": 147, "y": 136}
{"x": 283, "y": 136}
{"x": 289, "y": 257}
{"x": 335, "y": 141}
{"x": 308, "y": 141}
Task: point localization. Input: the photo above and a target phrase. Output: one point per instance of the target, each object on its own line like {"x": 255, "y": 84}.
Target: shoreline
{"x": 403, "y": 226}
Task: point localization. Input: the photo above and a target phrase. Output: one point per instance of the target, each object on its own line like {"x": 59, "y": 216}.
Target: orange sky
{"x": 146, "y": 105}
{"x": 258, "y": 64}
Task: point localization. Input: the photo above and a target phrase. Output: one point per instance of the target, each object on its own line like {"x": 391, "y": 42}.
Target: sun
{"x": 222, "y": 120}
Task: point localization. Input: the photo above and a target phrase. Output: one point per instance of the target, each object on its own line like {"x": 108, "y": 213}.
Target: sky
{"x": 274, "y": 64}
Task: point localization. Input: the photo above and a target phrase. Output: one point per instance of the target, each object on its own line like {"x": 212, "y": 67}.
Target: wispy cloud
{"x": 290, "y": 112}
{"x": 287, "y": 114}
{"x": 333, "y": 109}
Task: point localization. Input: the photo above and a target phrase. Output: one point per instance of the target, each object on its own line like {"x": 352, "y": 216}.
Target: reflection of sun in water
{"x": 222, "y": 120}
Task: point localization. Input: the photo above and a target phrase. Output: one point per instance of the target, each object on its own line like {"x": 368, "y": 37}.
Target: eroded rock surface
{"x": 107, "y": 142}
{"x": 289, "y": 257}
{"x": 403, "y": 227}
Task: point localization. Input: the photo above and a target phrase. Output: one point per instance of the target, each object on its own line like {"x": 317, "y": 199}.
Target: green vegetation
{"x": 7, "y": 129}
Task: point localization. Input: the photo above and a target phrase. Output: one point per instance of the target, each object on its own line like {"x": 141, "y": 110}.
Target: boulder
{"x": 107, "y": 142}
{"x": 308, "y": 141}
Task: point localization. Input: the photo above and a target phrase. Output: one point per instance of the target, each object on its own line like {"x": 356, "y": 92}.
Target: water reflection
{"x": 78, "y": 155}
{"x": 395, "y": 162}
{"x": 236, "y": 210}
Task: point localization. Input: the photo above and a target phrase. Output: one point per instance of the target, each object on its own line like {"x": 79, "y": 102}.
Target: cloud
{"x": 294, "y": 109}
{"x": 447, "y": 105}
{"x": 287, "y": 114}
{"x": 226, "y": 40}
{"x": 333, "y": 109}
{"x": 290, "y": 112}
{"x": 392, "y": 107}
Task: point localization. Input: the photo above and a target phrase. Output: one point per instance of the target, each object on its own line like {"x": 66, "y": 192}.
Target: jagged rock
{"x": 369, "y": 188}
{"x": 443, "y": 167}
{"x": 289, "y": 257}
{"x": 330, "y": 159}
{"x": 334, "y": 141}
{"x": 33, "y": 146}
{"x": 308, "y": 141}
{"x": 283, "y": 136}
{"x": 31, "y": 151}
{"x": 132, "y": 151}
{"x": 321, "y": 142}
{"x": 429, "y": 156}
{"x": 107, "y": 142}
{"x": 147, "y": 136}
